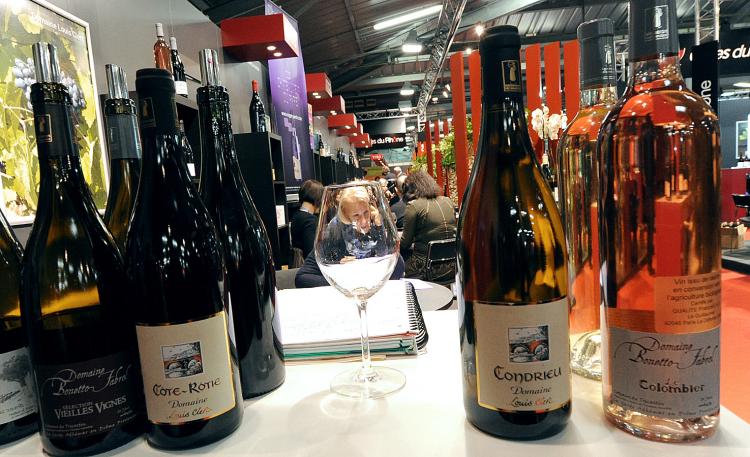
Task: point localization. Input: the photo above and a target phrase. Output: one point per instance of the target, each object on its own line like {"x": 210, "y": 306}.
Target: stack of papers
{"x": 321, "y": 323}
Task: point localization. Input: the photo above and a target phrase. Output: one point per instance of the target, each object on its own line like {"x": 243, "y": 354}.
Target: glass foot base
{"x": 374, "y": 383}
{"x": 586, "y": 355}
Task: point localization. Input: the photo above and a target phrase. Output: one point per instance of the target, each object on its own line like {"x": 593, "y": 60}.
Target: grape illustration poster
{"x": 25, "y": 22}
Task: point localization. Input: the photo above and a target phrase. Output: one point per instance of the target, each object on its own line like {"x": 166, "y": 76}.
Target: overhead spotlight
{"x": 445, "y": 94}
{"x": 412, "y": 44}
{"x": 271, "y": 47}
{"x": 277, "y": 54}
{"x": 333, "y": 112}
{"x": 314, "y": 94}
{"x": 404, "y": 106}
{"x": 743, "y": 84}
{"x": 407, "y": 89}
{"x": 448, "y": 86}
{"x": 411, "y": 127}
{"x": 479, "y": 29}
{"x": 434, "y": 99}
{"x": 468, "y": 50}
{"x": 318, "y": 96}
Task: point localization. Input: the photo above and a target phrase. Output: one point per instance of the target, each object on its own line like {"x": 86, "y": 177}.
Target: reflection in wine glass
{"x": 356, "y": 247}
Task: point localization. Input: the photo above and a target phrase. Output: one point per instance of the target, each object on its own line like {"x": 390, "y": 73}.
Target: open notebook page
{"x": 322, "y": 314}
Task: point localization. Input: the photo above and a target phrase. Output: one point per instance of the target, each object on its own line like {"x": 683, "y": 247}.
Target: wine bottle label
{"x": 511, "y": 75}
{"x": 664, "y": 375}
{"x": 687, "y": 304}
{"x": 122, "y": 137}
{"x": 523, "y": 356}
{"x": 181, "y": 87}
{"x": 16, "y": 391}
{"x": 87, "y": 398}
{"x": 43, "y": 127}
{"x": 187, "y": 370}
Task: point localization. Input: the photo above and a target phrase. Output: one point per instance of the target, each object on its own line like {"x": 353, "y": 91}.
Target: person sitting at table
{"x": 354, "y": 232}
{"x": 398, "y": 207}
{"x": 305, "y": 221}
{"x": 429, "y": 217}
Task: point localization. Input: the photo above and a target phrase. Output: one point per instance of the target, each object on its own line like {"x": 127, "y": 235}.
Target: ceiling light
{"x": 450, "y": 119}
{"x": 404, "y": 106}
{"x": 434, "y": 99}
{"x": 277, "y": 54}
{"x": 408, "y": 17}
{"x": 333, "y": 112}
{"x": 448, "y": 86}
{"x": 468, "y": 50}
{"x": 411, "y": 127}
{"x": 728, "y": 93}
{"x": 445, "y": 93}
{"x": 407, "y": 89}
{"x": 479, "y": 29}
{"x": 412, "y": 43}
{"x": 743, "y": 84}
{"x": 314, "y": 94}
{"x": 271, "y": 47}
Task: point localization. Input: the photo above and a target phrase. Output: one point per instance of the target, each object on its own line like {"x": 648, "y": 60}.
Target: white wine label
{"x": 87, "y": 398}
{"x": 180, "y": 87}
{"x": 665, "y": 375}
{"x": 16, "y": 391}
{"x": 523, "y": 356}
{"x": 187, "y": 370}
{"x": 687, "y": 304}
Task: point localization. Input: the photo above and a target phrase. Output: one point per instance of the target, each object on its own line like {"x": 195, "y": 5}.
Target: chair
{"x": 742, "y": 201}
{"x": 440, "y": 267}
{"x": 285, "y": 278}
{"x": 297, "y": 258}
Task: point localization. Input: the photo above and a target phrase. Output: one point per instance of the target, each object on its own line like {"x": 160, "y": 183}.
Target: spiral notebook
{"x": 320, "y": 323}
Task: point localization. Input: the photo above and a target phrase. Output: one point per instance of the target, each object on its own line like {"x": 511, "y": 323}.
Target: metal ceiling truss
{"x": 706, "y": 20}
{"x": 450, "y": 18}
{"x": 381, "y": 114}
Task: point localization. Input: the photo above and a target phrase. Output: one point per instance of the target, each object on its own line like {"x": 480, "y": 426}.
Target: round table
{"x": 435, "y": 297}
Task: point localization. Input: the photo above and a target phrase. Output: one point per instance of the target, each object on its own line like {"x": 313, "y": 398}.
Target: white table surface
{"x": 426, "y": 418}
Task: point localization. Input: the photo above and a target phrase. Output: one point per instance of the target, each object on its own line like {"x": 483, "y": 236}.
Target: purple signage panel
{"x": 289, "y": 100}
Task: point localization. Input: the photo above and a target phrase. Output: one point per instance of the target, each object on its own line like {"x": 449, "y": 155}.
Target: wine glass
{"x": 356, "y": 247}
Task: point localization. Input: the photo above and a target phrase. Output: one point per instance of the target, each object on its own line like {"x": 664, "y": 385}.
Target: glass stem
{"x": 366, "y": 371}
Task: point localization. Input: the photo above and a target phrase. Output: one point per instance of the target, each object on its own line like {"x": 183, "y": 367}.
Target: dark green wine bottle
{"x": 251, "y": 279}
{"x": 18, "y": 416}
{"x": 75, "y": 300}
{"x": 174, "y": 261}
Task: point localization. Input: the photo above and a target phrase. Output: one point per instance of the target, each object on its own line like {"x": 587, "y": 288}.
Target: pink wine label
{"x": 687, "y": 304}
{"x": 523, "y": 356}
{"x": 665, "y": 375}
{"x": 187, "y": 370}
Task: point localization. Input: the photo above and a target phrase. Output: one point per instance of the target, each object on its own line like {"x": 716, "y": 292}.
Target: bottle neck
{"x": 604, "y": 95}
{"x": 160, "y": 139}
{"x": 54, "y": 130}
{"x": 656, "y": 73}
{"x": 219, "y": 156}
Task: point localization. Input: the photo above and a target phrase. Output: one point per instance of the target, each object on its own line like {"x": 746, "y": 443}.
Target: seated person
{"x": 305, "y": 221}
{"x": 397, "y": 205}
{"x": 354, "y": 233}
{"x": 429, "y": 217}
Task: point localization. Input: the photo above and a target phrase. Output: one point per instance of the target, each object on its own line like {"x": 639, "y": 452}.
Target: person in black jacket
{"x": 399, "y": 206}
{"x": 305, "y": 221}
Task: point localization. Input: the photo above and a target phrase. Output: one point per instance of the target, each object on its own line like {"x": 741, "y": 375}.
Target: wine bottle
{"x": 174, "y": 262}
{"x": 75, "y": 300}
{"x": 549, "y": 174}
{"x": 251, "y": 280}
{"x": 659, "y": 199}
{"x": 124, "y": 146}
{"x": 257, "y": 112}
{"x": 162, "y": 55}
{"x": 579, "y": 186}
{"x": 188, "y": 153}
{"x": 18, "y": 413}
{"x": 512, "y": 274}
{"x": 178, "y": 69}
